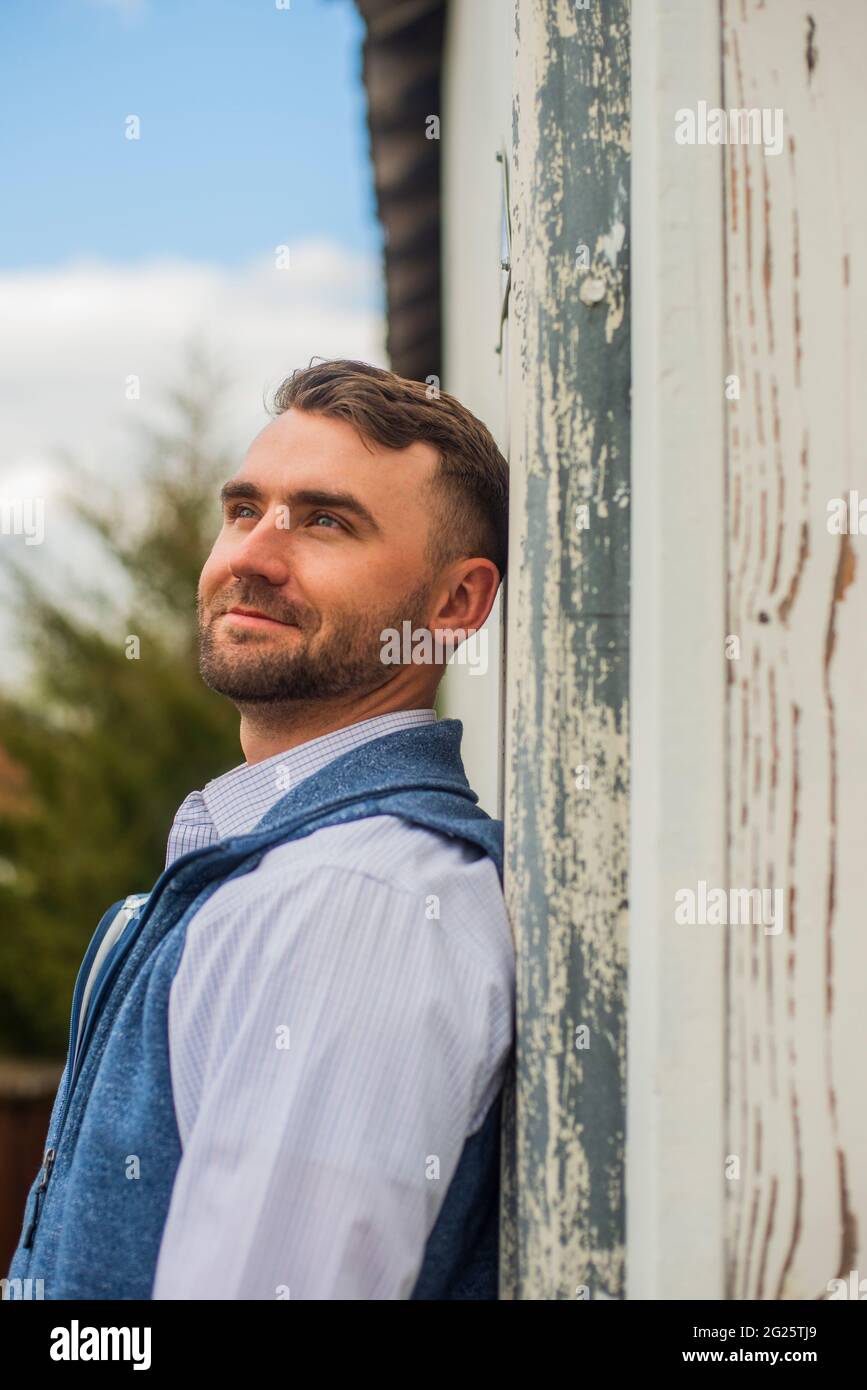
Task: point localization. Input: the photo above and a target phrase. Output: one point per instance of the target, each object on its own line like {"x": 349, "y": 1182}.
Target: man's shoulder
{"x": 455, "y": 880}
{"x": 384, "y": 846}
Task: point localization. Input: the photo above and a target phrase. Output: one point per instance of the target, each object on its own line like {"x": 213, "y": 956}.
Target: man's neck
{"x": 267, "y": 730}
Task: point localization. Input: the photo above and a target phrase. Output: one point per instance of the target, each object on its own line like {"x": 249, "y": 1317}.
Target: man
{"x": 286, "y": 1060}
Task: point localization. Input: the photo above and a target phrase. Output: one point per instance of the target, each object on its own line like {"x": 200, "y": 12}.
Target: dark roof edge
{"x": 401, "y": 69}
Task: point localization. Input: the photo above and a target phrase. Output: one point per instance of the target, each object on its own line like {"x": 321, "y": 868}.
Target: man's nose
{"x": 264, "y": 551}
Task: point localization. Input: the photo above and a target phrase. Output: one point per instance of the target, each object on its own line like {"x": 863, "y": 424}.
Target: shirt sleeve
{"x": 345, "y": 1046}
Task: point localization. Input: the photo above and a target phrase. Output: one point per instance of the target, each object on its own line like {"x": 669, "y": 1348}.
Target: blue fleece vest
{"x": 88, "y": 1235}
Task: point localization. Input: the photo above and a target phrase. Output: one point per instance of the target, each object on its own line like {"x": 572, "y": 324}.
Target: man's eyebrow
{"x": 311, "y": 497}
{"x": 231, "y": 490}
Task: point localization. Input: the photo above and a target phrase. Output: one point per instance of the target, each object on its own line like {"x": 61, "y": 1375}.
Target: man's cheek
{"x": 214, "y": 573}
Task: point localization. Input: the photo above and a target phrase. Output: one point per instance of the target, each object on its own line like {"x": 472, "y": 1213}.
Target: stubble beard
{"x": 255, "y": 667}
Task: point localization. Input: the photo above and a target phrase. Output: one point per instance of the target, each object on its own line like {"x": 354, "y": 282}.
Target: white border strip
{"x": 675, "y": 1111}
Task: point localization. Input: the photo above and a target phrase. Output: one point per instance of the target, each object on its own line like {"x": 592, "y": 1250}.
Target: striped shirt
{"x": 339, "y": 1024}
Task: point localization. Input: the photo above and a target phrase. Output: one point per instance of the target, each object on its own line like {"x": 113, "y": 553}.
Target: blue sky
{"x": 116, "y": 254}
{"x": 252, "y": 129}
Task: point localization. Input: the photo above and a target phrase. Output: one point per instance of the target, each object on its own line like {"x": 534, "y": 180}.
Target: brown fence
{"x": 27, "y": 1091}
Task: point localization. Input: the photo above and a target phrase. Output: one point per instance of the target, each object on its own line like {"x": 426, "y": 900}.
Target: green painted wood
{"x": 567, "y": 758}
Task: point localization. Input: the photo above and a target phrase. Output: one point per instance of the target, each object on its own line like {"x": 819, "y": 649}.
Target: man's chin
{"x": 237, "y": 683}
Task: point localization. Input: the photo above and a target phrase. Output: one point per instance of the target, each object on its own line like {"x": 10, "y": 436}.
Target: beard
{"x": 263, "y": 667}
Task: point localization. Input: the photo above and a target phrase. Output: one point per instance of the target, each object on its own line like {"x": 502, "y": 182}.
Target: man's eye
{"x": 234, "y": 510}
{"x": 317, "y": 516}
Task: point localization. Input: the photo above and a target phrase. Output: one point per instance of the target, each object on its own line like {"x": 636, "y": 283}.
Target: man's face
{"x": 326, "y": 539}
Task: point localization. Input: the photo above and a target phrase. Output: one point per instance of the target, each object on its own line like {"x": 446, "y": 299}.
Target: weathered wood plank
{"x": 567, "y": 666}
{"x": 796, "y": 239}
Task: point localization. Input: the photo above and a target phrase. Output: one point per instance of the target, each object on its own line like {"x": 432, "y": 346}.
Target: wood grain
{"x": 796, "y": 237}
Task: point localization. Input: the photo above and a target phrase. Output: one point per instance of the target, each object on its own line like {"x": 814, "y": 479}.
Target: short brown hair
{"x": 473, "y": 477}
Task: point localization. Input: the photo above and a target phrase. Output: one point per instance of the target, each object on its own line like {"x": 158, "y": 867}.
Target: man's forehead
{"x": 299, "y": 442}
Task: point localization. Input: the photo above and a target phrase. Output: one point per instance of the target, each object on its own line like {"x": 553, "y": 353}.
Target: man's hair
{"x": 471, "y": 515}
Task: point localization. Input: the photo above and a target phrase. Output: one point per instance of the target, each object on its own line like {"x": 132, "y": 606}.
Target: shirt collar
{"x": 237, "y": 800}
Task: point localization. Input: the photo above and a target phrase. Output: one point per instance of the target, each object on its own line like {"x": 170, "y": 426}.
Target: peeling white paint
{"x": 592, "y": 291}
{"x": 611, "y": 243}
{"x": 566, "y": 699}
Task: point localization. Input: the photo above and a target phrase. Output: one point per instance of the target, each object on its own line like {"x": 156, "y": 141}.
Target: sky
{"x": 252, "y": 129}
{"x": 115, "y": 252}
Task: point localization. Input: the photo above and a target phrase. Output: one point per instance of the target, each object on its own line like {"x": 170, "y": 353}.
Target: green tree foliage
{"x": 100, "y": 748}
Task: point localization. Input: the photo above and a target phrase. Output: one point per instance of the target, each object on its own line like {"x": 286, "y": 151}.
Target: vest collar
{"x": 424, "y": 755}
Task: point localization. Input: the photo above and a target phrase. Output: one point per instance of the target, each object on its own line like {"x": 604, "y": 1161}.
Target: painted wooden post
{"x": 567, "y": 768}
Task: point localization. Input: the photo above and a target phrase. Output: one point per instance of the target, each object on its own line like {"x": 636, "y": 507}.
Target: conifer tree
{"x": 100, "y": 746}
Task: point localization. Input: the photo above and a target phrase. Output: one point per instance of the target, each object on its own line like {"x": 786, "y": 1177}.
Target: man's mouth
{"x": 251, "y": 617}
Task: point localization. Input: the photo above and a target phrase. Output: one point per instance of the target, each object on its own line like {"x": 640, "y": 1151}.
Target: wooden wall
{"x": 747, "y": 1125}
{"x": 796, "y": 793}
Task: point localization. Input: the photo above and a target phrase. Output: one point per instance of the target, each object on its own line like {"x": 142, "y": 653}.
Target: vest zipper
{"x": 76, "y": 1055}
{"x": 74, "y": 1065}
{"x": 45, "y": 1171}
{"x": 77, "y": 1045}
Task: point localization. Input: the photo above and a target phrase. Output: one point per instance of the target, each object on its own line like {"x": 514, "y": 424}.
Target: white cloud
{"x": 73, "y": 335}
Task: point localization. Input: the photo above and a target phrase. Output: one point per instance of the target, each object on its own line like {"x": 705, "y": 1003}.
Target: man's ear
{"x": 468, "y": 591}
